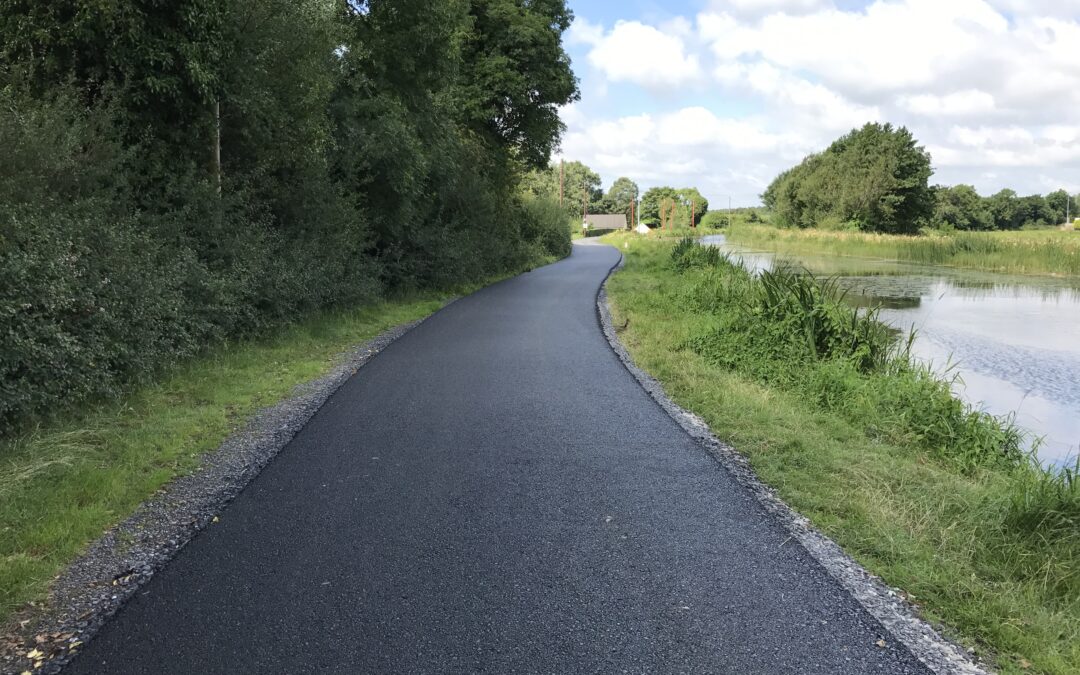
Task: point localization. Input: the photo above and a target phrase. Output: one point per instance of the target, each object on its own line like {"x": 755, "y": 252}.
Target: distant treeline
{"x": 182, "y": 173}
{"x": 580, "y": 189}
{"x": 877, "y": 179}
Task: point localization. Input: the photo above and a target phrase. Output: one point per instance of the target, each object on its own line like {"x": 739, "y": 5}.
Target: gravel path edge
{"x": 44, "y": 637}
{"x": 887, "y": 605}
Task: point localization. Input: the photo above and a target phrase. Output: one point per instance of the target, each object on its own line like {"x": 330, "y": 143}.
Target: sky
{"x": 723, "y": 95}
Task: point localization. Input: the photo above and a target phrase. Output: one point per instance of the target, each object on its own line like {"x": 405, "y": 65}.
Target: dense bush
{"x": 348, "y": 168}
{"x": 790, "y": 329}
{"x": 715, "y": 220}
{"x": 875, "y": 177}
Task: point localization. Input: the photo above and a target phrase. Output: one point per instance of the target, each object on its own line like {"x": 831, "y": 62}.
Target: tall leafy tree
{"x": 876, "y": 177}
{"x": 515, "y": 75}
{"x": 653, "y": 200}
{"x": 692, "y": 198}
{"x": 960, "y": 207}
{"x": 580, "y": 185}
{"x": 620, "y": 196}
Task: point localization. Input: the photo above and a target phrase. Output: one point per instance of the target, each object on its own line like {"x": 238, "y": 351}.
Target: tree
{"x": 960, "y": 207}
{"x": 652, "y": 201}
{"x": 1057, "y": 202}
{"x": 620, "y": 196}
{"x": 515, "y": 75}
{"x": 1005, "y": 210}
{"x": 876, "y": 176}
{"x": 167, "y": 57}
{"x": 691, "y": 198}
{"x": 578, "y": 181}
{"x": 674, "y": 205}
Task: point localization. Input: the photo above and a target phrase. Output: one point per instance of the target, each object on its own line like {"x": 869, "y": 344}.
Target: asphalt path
{"x": 494, "y": 492}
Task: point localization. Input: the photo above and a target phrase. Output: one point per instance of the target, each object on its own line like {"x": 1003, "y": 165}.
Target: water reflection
{"x": 1014, "y": 341}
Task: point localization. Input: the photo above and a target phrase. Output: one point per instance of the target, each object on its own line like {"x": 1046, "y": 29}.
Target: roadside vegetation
{"x": 63, "y": 483}
{"x": 202, "y": 202}
{"x": 1017, "y": 252}
{"x": 212, "y": 171}
{"x": 937, "y": 498}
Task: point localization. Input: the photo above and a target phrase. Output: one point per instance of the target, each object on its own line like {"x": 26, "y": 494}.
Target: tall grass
{"x": 790, "y": 328}
{"x": 829, "y": 407}
{"x": 1020, "y": 252}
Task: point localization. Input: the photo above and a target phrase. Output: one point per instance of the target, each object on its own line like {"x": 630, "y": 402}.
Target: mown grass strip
{"x": 1016, "y": 252}
{"x": 987, "y": 544}
{"x": 63, "y": 484}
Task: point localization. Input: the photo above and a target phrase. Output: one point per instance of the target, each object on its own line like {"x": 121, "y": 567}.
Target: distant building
{"x": 606, "y": 221}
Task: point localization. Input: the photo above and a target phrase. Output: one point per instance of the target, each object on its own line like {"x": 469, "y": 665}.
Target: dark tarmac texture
{"x": 495, "y": 493}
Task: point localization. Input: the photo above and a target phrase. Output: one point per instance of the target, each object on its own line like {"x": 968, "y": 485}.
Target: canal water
{"x": 1014, "y": 341}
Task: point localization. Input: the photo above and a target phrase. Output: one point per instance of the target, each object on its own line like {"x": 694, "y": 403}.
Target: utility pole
{"x": 693, "y": 214}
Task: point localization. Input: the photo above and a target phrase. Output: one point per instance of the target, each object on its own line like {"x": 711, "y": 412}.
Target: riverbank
{"x": 922, "y": 491}
{"x": 63, "y": 484}
{"x": 1019, "y": 252}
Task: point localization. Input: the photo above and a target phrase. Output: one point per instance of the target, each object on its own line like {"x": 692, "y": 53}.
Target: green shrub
{"x": 789, "y": 328}
{"x": 715, "y": 220}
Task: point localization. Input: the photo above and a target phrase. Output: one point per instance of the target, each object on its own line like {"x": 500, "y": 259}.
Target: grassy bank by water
{"x": 62, "y": 485}
{"x": 826, "y": 404}
{"x": 1017, "y": 252}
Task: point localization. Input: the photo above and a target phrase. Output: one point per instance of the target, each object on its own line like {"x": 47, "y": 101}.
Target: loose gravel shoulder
{"x": 99, "y": 582}
{"x": 884, "y": 603}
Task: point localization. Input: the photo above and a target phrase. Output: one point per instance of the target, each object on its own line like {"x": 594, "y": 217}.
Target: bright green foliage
{"x": 365, "y": 148}
{"x": 581, "y": 186}
{"x": 715, "y": 219}
{"x": 683, "y": 199}
{"x": 875, "y": 177}
{"x": 691, "y": 198}
{"x": 651, "y": 202}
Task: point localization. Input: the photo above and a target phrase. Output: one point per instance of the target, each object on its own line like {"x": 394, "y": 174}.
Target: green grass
{"x": 927, "y": 494}
{"x": 63, "y": 484}
{"x": 1017, "y": 252}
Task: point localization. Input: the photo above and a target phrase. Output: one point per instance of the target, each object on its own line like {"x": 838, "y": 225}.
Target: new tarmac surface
{"x": 495, "y": 493}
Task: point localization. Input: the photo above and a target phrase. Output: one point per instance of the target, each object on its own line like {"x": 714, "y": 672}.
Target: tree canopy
{"x": 876, "y": 177}
{"x": 670, "y": 205}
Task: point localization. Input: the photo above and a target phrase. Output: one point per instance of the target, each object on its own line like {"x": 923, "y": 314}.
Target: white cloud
{"x": 957, "y": 104}
{"x": 689, "y": 146}
{"x": 991, "y": 87}
{"x": 645, "y": 55}
{"x": 762, "y": 7}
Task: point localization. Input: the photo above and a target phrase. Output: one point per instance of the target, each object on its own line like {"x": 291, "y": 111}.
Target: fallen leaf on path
{"x": 880, "y": 643}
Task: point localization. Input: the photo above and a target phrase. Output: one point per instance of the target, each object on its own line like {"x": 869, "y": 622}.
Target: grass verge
{"x": 930, "y": 495}
{"x": 1020, "y": 252}
{"x": 63, "y": 484}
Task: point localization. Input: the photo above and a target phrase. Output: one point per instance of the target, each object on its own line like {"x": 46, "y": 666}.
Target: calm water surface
{"x": 1014, "y": 341}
